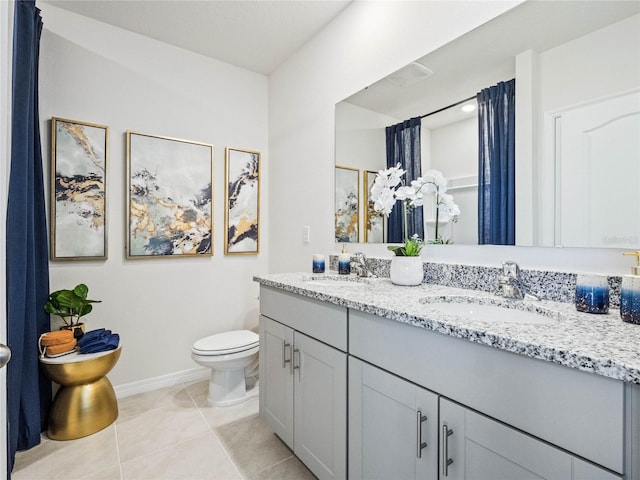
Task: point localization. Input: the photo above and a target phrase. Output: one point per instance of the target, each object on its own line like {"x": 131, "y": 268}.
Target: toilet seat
{"x": 226, "y": 343}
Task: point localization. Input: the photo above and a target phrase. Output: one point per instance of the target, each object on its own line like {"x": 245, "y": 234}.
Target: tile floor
{"x": 171, "y": 434}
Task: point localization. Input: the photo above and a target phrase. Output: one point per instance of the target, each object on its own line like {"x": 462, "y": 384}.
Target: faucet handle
{"x": 511, "y": 269}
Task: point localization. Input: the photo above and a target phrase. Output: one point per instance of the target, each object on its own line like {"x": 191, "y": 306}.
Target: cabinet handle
{"x": 285, "y": 346}
{"x": 419, "y": 443}
{"x": 296, "y": 366}
{"x": 446, "y": 461}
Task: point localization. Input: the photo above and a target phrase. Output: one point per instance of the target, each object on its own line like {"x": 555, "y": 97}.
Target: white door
{"x": 393, "y": 426}
{"x": 479, "y": 448}
{"x": 597, "y": 152}
{"x": 320, "y": 406}
{"x": 276, "y": 380}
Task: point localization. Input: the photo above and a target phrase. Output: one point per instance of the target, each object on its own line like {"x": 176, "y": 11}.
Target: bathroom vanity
{"x": 364, "y": 379}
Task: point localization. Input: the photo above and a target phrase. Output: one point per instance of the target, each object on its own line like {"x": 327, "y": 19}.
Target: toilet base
{"x": 229, "y": 387}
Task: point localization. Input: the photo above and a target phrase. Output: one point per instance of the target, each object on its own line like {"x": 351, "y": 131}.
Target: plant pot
{"x": 406, "y": 271}
{"x": 78, "y": 330}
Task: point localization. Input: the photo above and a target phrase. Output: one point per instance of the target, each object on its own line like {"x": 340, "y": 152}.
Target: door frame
{"x": 6, "y": 59}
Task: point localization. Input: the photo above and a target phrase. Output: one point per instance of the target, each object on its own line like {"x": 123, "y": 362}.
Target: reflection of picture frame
{"x": 170, "y": 202}
{"x": 347, "y": 204}
{"x": 78, "y": 190}
{"x": 373, "y": 221}
{"x": 242, "y": 202}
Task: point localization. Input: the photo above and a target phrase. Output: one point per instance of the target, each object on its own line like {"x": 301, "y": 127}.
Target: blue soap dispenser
{"x": 344, "y": 261}
{"x": 630, "y": 293}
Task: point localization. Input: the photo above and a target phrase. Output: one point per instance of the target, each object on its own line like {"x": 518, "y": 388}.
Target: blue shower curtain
{"x": 403, "y": 146}
{"x": 28, "y": 392}
{"x": 496, "y": 173}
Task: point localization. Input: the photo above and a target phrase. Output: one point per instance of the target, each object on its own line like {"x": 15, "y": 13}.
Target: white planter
{"x": 407, "y": 271}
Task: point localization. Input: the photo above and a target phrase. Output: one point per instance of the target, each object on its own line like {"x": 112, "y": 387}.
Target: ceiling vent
{"x": 413, "y": 73}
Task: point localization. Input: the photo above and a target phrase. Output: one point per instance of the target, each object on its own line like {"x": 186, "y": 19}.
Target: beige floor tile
{"x": 197, "y": 459}
{"x": 108, "y": 474}
{"x": 158, "y": 428}
{"x": 218, "y": 416}
{"x": 289, "y": 469}
{"x": 68, "y": 460}
{"x": 136, "y": 404}
{"x": 252, "y": 445}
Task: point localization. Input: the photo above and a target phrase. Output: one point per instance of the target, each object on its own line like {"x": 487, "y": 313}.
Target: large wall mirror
{"x": 577, "y": 71}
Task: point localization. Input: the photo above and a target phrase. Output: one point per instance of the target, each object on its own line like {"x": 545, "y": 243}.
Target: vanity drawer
{"x": 321, "y": 320}
{"x": 575, "y": 410}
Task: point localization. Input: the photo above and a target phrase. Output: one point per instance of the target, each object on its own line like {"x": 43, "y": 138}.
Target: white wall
{"x": 453, "y": 150}
{"x": 97, "y": 73}
{"x": 366, "y": 42}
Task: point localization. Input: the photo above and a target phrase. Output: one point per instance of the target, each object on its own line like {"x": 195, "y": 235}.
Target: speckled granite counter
{"x": 601, "y": 344}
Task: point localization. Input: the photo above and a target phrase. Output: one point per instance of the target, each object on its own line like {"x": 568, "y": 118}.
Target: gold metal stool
{"x": 85, "y": 402}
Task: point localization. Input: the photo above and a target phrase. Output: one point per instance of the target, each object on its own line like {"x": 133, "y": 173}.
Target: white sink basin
{"x": 469, "y": 308}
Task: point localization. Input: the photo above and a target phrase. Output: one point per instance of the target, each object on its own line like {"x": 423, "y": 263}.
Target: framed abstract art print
{"x": 78, "y": 190}
{"x": 242, "y": 202}
{"x": 170, "y": 201}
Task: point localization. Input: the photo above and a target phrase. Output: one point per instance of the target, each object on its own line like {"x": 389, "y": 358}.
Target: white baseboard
{"x": 168, "y": 380}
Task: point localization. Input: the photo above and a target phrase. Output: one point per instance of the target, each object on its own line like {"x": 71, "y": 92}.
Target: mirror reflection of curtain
{"x": 403, "y": 147}
{"x": 496, "y": 171}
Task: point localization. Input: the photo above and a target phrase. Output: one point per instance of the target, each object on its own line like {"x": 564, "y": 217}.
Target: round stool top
{"x": 227, "y": 342}
{"x": 77, "y": 357}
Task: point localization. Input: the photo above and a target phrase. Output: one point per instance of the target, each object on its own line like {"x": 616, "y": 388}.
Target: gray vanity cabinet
{"x": 392, "y": 426}
{"x": 303, "y": 379}
{"x": 476, "y": 447}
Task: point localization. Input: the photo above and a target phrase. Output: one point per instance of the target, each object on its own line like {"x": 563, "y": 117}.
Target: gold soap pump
{"x": 630, "y": 293}
{"x": 635, "y": 270}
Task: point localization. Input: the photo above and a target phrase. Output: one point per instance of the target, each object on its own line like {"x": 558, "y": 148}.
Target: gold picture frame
{"x": 242, "y": 202}
{"x": 347, "y": 204}
{"x": 78, "y": 207}
{"x": 169, "y": 197}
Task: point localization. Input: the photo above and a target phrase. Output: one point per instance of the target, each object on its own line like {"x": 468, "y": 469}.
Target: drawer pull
{"x": 286, "y": 346}
{"x": 446, "y": 461}
{"x": 419, "y": 443}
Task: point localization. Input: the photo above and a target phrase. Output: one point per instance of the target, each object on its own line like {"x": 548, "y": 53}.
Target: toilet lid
{"x": 227, "y": 342}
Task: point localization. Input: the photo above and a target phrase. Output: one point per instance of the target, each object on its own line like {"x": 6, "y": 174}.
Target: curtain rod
{"x": 450, "y": 106}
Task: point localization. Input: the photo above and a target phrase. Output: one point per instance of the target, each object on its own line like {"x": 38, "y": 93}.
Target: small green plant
{"x": 411, "y": 248}
{"x": 70, "y": 305}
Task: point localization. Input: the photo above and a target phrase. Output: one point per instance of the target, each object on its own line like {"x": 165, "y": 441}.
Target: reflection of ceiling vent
{"x": 412, "y": 73}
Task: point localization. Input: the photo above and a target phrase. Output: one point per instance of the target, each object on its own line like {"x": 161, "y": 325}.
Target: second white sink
{"x": 468, "y": 308}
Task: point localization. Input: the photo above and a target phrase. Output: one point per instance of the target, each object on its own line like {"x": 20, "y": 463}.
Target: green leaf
{"x": 81, "y": 290}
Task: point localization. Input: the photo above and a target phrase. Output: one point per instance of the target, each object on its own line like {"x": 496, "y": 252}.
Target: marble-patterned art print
{"x": 242, "y": 199}
{"x": 78, "y": 190}
{"x": 347, "y": 204}
{"x": 374, "y": 221}
{"x": 170, "y": 202}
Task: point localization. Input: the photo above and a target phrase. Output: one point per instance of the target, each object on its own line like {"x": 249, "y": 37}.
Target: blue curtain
{"x": 496, "y": 173}
{"x": 28, "y": 392}
{"x": 403, "y": 146}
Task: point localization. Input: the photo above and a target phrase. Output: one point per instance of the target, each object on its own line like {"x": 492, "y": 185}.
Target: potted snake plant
{"x": 71, "y": 306}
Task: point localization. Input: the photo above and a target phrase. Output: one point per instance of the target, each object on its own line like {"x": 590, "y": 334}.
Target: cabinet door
{"x": 478, "y": 447}
{"x": 393, "y": 426}
{"x": 276, "y": 380}
{"x": 320, "y": 386}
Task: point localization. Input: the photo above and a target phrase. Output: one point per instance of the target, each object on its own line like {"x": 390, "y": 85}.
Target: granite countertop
{"x": 601, "y": 344}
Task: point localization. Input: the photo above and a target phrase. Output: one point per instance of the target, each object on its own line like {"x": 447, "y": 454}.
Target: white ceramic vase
{"x": 406, "y": 271}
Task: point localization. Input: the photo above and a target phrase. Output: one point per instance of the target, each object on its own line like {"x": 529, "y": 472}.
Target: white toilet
{"x": 231, "y": 356}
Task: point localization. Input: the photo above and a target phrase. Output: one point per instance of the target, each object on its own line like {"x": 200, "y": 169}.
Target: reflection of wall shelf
{"x": 459, "y": 183}
{"x": 432, "y": 221}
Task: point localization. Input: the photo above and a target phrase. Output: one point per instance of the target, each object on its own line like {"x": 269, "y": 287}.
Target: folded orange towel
{"x": 59, "y": 349}
{"x": 56, "y": 338}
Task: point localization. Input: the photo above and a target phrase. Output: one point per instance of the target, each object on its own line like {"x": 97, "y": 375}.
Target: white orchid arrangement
{"x": 389, "y": 187}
